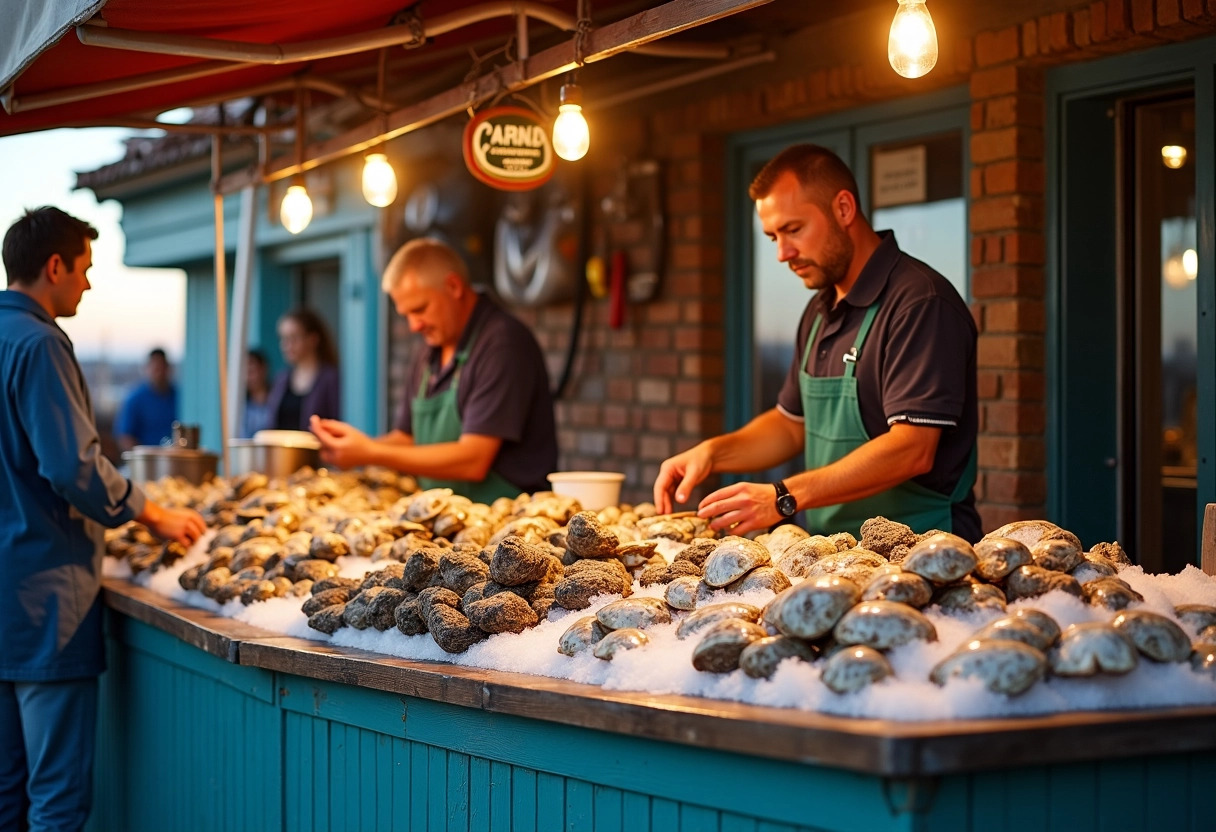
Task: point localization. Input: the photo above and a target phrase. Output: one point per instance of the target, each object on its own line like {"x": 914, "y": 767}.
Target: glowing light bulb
{"x": 379, "y": 180}
{"x": 912, "y": 46}
{"x": 1190, "y": 264}
{"x": 295, "y": 212}
{"x": 1173, "y": 156}
{"x": 571, "y": 138}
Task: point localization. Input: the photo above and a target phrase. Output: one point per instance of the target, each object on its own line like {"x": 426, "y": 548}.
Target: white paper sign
{"x": 899, "y": 176}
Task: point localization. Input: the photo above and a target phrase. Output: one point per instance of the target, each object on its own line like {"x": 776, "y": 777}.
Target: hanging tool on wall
{"x": 617, "y": 288}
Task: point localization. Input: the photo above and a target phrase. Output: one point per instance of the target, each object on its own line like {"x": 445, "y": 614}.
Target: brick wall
{"x": 655, "y": 386}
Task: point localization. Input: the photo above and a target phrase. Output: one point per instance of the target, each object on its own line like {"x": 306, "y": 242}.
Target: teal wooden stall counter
{"x": 210, "y": 724}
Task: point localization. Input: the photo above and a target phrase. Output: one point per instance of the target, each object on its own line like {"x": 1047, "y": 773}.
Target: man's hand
{"x": 742, "y": 507}
{"x": 681, "y": 474}
{"x": 181, "y": 524}
{"x": 341, "y": 444}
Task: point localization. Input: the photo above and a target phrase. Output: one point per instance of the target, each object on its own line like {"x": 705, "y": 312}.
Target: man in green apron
{"x": 881, "y": 396}
{"x": 478, "y": 415}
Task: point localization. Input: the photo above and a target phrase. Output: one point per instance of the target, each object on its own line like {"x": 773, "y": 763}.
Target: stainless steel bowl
{"x": 148, "y": 463}
{"x": 271, "y": 459}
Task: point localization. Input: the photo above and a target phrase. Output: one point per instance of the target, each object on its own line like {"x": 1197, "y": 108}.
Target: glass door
{"x": 1159, "y": 410}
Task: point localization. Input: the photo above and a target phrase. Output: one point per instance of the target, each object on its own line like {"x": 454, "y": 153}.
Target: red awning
{"x": 41, "y": 55}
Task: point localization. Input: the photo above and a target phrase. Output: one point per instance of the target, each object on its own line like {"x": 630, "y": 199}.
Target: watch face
{"x": 787, "y": 505}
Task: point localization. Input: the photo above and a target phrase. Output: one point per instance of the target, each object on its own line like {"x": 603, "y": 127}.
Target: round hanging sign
{"x": 508, "y": 148}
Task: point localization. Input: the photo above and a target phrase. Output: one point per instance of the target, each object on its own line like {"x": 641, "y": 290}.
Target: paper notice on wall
{"x": 899, "y": 176}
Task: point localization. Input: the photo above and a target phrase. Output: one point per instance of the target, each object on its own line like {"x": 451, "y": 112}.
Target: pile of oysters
{"x": 851, "y": 602}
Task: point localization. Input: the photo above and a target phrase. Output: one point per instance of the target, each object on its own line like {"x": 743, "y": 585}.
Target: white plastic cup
{"x": 594, "y": 490}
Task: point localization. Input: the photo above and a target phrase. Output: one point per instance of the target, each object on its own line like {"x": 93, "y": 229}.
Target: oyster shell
{"x": 732, "y": 559}
{"x": 1032, "y": 581}
{"x": 683, "y": 593}
{"x": 798, "y": 556}
{"x": 712, "y": 614}
{"x": 581, "y": 635}
{"x": 811, "y": 609}
{"x": 1004, "y": 666}
{"x": 721, "y": 644}
{"x": 1089, "y": 648}
{"x": 1011, "y": 628}
{"x": 619, "y": 641}
{"x": 940, "y": 558}
{"x": 996, "y": 557}
{"x": 1154, "y": 635}
{"x": 858, "y": 565}
{"x": 633, "y": 613}
{"x": 587, "y": 537}
{"x": 760, "y": 658}
{"x": 853, "y": 668}
{"x": 762, "y": 577}
{"x": 968, "y": 596}
{"x": 1057, "y": 554}
{"x": 1041, "y": 620}
{"x": 894, "y": 584}
{"x": 1196, "y": 616}
{"x": 1111, "y": 593}
{"x": 883, "y": 625}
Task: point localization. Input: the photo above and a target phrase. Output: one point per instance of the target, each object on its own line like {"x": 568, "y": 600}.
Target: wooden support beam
{"x": 612, "y": 39}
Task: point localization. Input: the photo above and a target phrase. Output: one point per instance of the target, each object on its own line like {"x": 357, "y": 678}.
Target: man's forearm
{"x": 769, "y": 439}
{"x": 880, "y": 464}
{"x": 442, "y": 460}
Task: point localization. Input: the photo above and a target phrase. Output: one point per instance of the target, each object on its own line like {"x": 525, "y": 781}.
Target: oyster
{"x": 1111, "y": 593}
{"x": 888, "y": 538}
{"x": 1203, "y": 658}
{"x": 1004, "y": 666}
{"x": 633, "y": 613}
{"x": 721, "y": 644}
{"x": 587, "y": 537}
{"x": 1011, "y": 628}
{"x": 796, "y": 558}
{"x": 883, "y": 625}
{"x": 857, "y": 565}
{"x": 732, "y": 559}
{"x": 781, "y": 538}
{"x": 712, "y": 614}
{"x": 894, "y": 584}
{"x": 996, "y": 557}
{"x": 504, "y": 612}
{"x": 426, "y": 505}
{"x": 940, "y": 558}
{"x": 761, "y": 657}
{"x": 1196, "y": 616}
{"x": 812, "y": 608}
{"x": 762, "y": 577}
{"x": 618, "y": 641}
{"x": 517, "y": 562}
{"x": 683, "y": 593}
{"x": 1156, "y": 636}
{"x": 1041, "y": 620}
{"x": 853, "y": 668}
{"x": 1086, "y": 649}
{"x": 1057, "y": 554}
{"x": 968, "y": 596}
{"x": 1032, "y": 581}
{"x": 581, "y": 635}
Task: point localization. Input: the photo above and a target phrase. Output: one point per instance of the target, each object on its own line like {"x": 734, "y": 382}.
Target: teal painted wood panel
{"x": 190, "y": 742}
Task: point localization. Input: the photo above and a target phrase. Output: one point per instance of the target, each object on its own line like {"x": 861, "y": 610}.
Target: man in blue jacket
{"x": 57, "y": 492}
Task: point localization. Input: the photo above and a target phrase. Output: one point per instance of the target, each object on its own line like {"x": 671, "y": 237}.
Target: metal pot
{"x": 153, "y": 462}
{"x": 272, "y": 459}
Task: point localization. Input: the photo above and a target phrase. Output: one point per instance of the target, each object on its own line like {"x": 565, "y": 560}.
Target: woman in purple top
{"x": 310, "y": 384}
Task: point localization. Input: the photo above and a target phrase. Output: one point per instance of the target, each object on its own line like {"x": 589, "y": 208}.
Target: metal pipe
{"x": 152, "y": 124}
{"x": 681, "y": 80}
{"x": 70, "y": 95}
{"x": 621, "y": 36}
{"x": 221, "y": 296}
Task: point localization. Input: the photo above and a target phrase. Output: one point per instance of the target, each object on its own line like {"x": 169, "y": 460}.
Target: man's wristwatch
{"x": 787, "y": 506}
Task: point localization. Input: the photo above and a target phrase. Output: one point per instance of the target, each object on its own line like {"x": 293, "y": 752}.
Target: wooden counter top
{"x": 873, "y": 746}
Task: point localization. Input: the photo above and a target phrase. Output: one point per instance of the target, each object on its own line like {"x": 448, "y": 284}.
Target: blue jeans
{"x": 48, "y": 731}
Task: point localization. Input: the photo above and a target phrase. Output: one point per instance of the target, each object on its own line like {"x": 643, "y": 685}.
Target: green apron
{"x": 437, "y": 419}
{"x": 834, "y": 428}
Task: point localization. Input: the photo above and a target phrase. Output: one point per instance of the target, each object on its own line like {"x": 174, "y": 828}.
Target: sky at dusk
{"x": 128, "y": 311}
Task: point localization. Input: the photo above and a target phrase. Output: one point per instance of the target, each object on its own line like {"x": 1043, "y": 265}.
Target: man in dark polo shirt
{"x": 478, "y": 416}
{"x": 881, "y": 395}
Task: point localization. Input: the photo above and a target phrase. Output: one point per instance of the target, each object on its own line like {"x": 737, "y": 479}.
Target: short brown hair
{"x": 821, "y": 173}
{"x": 31, "y": 241}
{"x": 428, "y": 255}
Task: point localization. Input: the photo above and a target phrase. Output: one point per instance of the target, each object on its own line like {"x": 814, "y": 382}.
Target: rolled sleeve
{"x": 59, "y": 423}
{"x": 925, "y": 368}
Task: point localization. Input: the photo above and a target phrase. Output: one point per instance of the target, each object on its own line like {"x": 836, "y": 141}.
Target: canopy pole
{"x": 241, "y": 290}
{"x": 221, "y": 292}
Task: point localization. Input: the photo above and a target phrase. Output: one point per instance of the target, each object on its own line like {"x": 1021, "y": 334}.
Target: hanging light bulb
{"x": 379, "y": 180}
{"x": 1173, "y": 156}
{"x": 912, "y": 46}
{"x": 1190, "y": 263}
{"x": 571, "y": 138}
{"x": 295, "y": 212}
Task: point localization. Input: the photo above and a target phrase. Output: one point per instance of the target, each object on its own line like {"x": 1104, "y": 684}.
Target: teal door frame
{"x": 1080, "y": 493}
{"x": 851, "y": 134}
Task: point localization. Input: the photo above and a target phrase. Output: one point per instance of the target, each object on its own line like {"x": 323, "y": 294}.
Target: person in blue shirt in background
{"x": 149, "y": 411}
{"x": 57, "y": 493}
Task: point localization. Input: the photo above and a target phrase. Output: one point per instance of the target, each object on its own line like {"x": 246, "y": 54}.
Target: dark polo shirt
{"x": 503, "y": 392}
{"x": 917, "y": 365}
